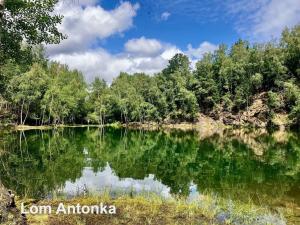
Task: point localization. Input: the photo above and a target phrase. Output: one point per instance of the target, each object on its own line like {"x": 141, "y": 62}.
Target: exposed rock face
{"x": 256, "y": 115}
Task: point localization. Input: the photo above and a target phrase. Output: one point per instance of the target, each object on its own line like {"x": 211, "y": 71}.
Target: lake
{"x": 233, "y": 164}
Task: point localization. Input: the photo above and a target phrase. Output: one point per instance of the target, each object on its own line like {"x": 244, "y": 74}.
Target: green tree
{"x": 65, "y": 96}
{"x": 206, "y": 86}
{"x": 32, "y": 22}
{"x": 154, "y": 105}
{"x": 292, "y": 96}
{"x": 174, "y": 82}
{"x": 98, "y": 101}
{"x": 27, "y": 91}
{"x": 291, "y": 46}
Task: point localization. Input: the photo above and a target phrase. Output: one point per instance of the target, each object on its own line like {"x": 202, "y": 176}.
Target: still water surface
{"x": 233, "y": 164}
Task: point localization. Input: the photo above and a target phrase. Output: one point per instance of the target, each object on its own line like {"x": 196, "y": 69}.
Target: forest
{"x": 36, "y": 91}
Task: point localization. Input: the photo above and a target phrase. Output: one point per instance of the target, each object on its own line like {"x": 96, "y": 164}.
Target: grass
{"x": 152, "y": 209}
{"x": 135, "y": 211}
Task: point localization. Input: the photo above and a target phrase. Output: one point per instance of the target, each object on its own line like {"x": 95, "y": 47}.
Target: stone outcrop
{"x": 9, "y": 214}
{"x": 257, "y": 114}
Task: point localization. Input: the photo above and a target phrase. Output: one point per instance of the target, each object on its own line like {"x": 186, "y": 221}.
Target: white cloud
{"x": 99, "y": 62}
{"x": 143, "y": 46}
{"x": 262, "y": 20}
{"x": 165, "y": 15}
{"x": 170, "y": 52}
{"x": 204, "y": 47}
{"x": 197, "y": 53}
{"x": 278, "y": 14}
{"x": 95, "y": 63}
{"x": 86, "y": 22}
{"x": 85, "y": 25}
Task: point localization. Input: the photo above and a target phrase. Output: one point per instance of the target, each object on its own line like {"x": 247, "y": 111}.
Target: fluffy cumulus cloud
{"x": 85, "y": 23}
{"x": 101, "y": 63}
{"x": 144, "y": 47}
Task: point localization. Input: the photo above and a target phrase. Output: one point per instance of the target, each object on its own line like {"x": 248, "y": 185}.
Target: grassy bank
{"x": 207, "y": 209}
{"x": 129, "y": 211}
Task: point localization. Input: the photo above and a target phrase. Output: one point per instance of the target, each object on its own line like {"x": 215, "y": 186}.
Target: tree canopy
{"x": 24, "y": 24}
{"x": 37, "y": 91}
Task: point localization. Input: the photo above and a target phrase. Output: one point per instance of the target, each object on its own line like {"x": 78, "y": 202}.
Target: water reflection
{"x": 107, "y": 181}
{"x": 234, "y": 164}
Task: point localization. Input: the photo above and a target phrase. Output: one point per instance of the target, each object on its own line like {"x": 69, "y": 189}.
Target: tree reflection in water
{"x": 235, "y": 164}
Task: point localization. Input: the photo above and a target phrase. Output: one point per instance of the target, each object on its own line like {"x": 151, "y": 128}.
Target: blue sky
{"x": 106, "y": 37}
{"x": 180, "y": 27}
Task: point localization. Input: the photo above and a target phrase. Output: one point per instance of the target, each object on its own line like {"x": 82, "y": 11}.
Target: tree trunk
{"x": 27, "y": 111}
{"x": 21, "y": 114}
{"x": 43, "y": 117}
{"x": 50, "y": 108}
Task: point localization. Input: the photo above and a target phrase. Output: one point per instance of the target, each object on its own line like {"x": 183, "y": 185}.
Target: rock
{"x": 4, "y": 201}
{"x": 257, "y": 114}
{"x": 8, "y": 210}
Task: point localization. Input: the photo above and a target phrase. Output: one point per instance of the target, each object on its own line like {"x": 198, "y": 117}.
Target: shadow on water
{"x": 235, "y": 164}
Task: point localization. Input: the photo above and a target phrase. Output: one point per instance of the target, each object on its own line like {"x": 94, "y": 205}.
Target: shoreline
{"x": 48, "y": 127}
{"x": 203, "y": 122}
{"x": 140, "y": 209}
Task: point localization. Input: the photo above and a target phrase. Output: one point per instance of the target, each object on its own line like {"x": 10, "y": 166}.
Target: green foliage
{"x": 65, "y": 96}
{"x": 256, "y": 81}
{"x": 137, "y": 98}
{"x": 295, "y": 113}
{"x": 98, "y": 102}
{"x": 291, "y": 45}
{"x": 227, "y": 80}
{"x": 177, "y": 159}
{"x": 174, "y": 82}
{"x": 275, "y": 100}
{"x": 292, "y": 95}
{"x": 179, "y": 63}
{"x": 206, "y": 85}
{"x": 7, "y": 72}
{"x": 26, "y": 91}
{"x": 29, "y": 21}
